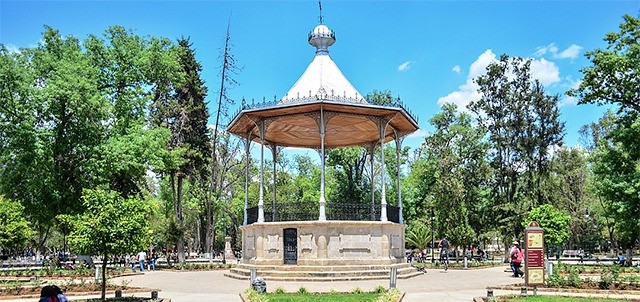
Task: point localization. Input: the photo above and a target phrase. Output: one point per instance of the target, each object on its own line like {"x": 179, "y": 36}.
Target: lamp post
{"x": 224, "y": 248}
{"x": 433, "y": 218}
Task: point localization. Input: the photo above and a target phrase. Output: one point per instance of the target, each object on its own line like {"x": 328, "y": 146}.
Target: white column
{"x": 274, "y": 150}
{"x": 372, "y": 151}
{"x": 246, "y": 177}
{"x": 398, "y": 150}
{"x": 261, "y": 200}
{"x": 323, "y": 215}
{"x": 383, "y": 201}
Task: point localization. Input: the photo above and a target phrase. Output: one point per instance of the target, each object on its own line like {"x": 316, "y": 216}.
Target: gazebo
{"x": 322, "y": 111}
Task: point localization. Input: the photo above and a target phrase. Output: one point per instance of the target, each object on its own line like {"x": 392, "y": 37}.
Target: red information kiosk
{"x": 534, "y": 254}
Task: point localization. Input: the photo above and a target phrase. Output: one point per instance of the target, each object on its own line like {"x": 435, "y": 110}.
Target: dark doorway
{"x": 290, "y": 246}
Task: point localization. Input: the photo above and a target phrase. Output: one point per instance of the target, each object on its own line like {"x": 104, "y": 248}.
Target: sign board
{"x": 534, "y": 252}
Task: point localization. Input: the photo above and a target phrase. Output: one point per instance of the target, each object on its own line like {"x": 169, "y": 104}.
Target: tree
{"x": 613, "y": 77}
{"x": 570, "y": 192}
{"x": 458, "y": 149}
{"x": 111, "y": 225}
{"x": 52, "y": 119}
{"x": 14, "y": 227}
{"x": 522, "y": 122}
{"x": 185, "y": 114}
{"x": 616, "y": 167}
{"x": 554, "y": 222}
{"x": 218, "y": 174}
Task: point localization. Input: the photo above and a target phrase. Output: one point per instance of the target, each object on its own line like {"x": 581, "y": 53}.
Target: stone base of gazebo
{"x": 335, "y": 249}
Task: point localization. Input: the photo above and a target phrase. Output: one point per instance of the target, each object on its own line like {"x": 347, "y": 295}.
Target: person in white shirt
{"x": 142, "y": 258}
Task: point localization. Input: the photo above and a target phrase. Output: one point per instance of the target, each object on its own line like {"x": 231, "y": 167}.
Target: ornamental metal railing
{"x": 334, "y": 211}
{"x": 245, "y": 105}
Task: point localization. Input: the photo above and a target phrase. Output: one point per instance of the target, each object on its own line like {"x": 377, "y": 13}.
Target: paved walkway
{"x": 435, "y": 285}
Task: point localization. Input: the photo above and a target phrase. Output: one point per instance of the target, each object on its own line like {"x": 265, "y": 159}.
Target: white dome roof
{"x": 322, "y": 80}
{"x": 321, "y": 29}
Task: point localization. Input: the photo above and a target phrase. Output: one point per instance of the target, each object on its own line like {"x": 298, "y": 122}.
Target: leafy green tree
{"x": 418, "y": 185}
{"x": 613, "y": 76}
{"x": 615, "y": 165}
{"x": 459, "y": 150}
{"x": 52, "y": 120}
{"x": 570, "y": 188}
{"x": 554, "y": 222}
{"x": 349, "y": 164}
{"x": 522, "y": 123}
{"x": 14, "y": 227}
{"x": 185, "y": 114}
{"x": 613, "y": 79}
{"x": 111, "y": 225}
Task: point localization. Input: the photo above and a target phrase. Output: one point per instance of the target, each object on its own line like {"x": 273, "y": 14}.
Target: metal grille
{"x": 334, "y": 211}
{"x": 290, "y": 246}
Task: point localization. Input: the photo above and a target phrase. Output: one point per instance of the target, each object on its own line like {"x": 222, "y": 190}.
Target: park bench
{"x": 572, "y": 253}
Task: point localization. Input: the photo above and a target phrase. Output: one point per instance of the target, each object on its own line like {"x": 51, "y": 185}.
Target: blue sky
{"x": 426, "y": 52}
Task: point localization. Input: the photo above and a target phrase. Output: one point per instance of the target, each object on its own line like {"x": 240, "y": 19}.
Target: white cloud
{"x": 456, "y": 69}
{"x": 571, "y": 52}
{"x": 418, "y": 134}
{"x": 468, "y": 91}
{"x": 404, "y": 66}
{"x": 542, "y": 50}
{"x": 545, "y": 71}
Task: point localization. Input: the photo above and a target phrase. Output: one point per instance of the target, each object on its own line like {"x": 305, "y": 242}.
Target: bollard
{"x": 154, "y": 295}
{"x": 465, "y": 262}
{"x": 393, "y": 277}
{"x": 523, "y": 291}
{"x": 253, "y": 275}
{"x": 550, "y": 268}
{"x": 97, "y": 274}
{"x": 535, "y": 290}
{"x": 489, "y": 293}
{"x": 118, "y": 293}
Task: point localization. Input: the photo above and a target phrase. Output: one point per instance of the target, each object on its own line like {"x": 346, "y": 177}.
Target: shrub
{"x": 302, "y": 290}
{"x": 556, "y": 280}
{"x": 389, "y": 296}
{"x": 357, "y": 290}
{"x": 279, "y": 290}
{"x": 605, "y": 281}
{"x": 574, "y": 279}
{"x": 379, "y": 289}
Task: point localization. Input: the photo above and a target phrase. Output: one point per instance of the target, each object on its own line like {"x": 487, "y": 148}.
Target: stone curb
{"x": 81, "y": 294}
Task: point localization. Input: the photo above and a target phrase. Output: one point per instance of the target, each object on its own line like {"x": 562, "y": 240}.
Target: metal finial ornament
{"x": 320, "y": 6}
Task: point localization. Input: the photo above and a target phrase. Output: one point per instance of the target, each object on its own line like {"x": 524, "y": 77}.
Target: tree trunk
{"x": 104, "y": 278}
{"x": 208, "y": 228}
{"x": 629, "y": 257}
{"x": 180, "y": 220}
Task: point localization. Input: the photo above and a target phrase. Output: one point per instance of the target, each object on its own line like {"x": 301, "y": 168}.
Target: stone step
{"x": 326, "y": 268}
{"x": 312, "y": 273}
{"x": 319, "y": 274}
{"x": 342, "y": 277}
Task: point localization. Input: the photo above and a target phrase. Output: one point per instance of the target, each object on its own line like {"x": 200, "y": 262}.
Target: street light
{"x": 433, "y": 218}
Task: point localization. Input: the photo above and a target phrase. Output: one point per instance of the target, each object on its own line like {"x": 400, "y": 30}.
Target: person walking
{"x": 444, "y": 252}
{"x": 516, "y": 256}
{"x": 142, "y": 258}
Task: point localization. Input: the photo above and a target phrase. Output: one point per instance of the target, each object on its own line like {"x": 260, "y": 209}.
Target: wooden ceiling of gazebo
{"x": 297, "y": 125}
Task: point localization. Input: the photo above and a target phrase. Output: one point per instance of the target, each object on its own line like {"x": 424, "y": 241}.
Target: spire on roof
{"x": 322, "y": 80}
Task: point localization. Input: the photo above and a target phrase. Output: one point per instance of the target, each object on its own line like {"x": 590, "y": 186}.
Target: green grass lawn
{"x": 294, "y": 297}
{"x": 558, "y": 299}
